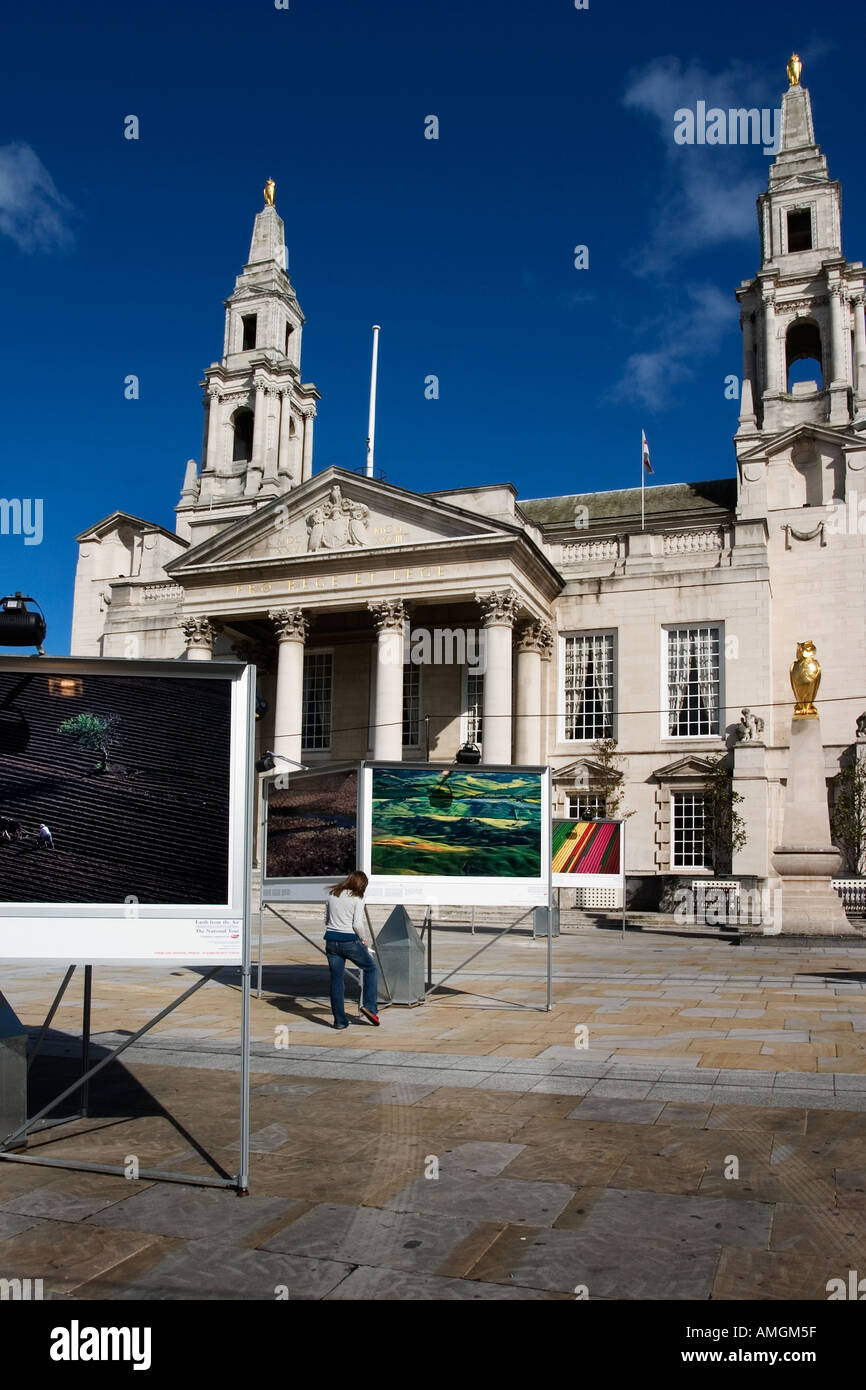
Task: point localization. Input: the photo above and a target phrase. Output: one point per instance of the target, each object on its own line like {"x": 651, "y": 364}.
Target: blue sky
{"x": 556, "y": 129}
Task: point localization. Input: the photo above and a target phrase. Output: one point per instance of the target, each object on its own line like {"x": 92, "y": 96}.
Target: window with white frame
{"x": 688, "y": 846}
{"x": 693, "y": 665}
{"x": 473, "y": 706}
{"x": 318, "y": 695}
{"x": 588, "y": 686}
{"x": 586, "y": 806}
{"x": 411, "y": 705}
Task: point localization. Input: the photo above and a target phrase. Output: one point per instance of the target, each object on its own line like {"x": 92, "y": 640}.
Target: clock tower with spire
{"x": 258, "y": 428}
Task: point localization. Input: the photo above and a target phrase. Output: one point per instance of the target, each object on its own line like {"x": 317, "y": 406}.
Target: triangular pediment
{"x": 779, "y": 443}
{"x": 580, "y": 773}
{"x": 691, "y": 765}
{"x": 339, "y": 513}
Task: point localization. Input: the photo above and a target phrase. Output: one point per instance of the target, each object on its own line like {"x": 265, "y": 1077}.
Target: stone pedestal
{"x": 807, "y": 859}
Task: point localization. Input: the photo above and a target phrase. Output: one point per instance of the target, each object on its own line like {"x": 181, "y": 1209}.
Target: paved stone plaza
{"x": 558, "y": 1166}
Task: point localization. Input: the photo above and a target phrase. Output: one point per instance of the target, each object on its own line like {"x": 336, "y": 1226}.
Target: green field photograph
{"x": 456, "y": 822}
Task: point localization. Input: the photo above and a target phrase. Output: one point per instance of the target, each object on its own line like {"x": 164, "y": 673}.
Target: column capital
{"x": 290, "y": 624}
{"x": 389, "y": 614}
{"x": 499, "y": 607}
{"x": 536, "y": 636}
{"x": 199, "y": 632}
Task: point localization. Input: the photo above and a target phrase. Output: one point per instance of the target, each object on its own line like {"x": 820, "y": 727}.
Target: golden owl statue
{"x": 270, "y": 188}
{"x": 795, "y": 67}
{"x": 805, "y": 679}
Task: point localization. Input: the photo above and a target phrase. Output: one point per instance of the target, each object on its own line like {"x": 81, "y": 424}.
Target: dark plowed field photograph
{"x": 312, "y": 826}
{"x": 113, "y": 788}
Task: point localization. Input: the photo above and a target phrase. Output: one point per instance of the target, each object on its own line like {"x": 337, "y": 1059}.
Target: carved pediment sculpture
{"x": 337, "y": 523}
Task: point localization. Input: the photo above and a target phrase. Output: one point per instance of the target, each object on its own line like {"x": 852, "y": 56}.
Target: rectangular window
{"x": 588, "y": 692}
{"x": 800, "y": 230}
{"x": 318, "y": 692}
{"x": 249, "y": 323}
{"x": 693, "y": 681}
{"x": 288, "y": 336}
{"x": 687, "y": 831}
{"x": 472, "y": 719}
{"x": 586, "y": 806}
{"x": 411, "y": 706}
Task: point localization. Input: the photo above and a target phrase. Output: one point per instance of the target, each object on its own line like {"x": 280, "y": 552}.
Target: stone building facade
{"x": 394, "y": 624}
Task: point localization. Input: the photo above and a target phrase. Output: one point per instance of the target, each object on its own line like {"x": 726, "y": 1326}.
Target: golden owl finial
{"x": 805, "y": 679}
{"x": 270, "y": 186}
{"x": 795, "y": 67}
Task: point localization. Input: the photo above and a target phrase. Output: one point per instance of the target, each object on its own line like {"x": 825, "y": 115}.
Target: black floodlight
{"x": 469, "y": 753}
{"x": 20, "y": 626}
{"x": 266, "y": 762}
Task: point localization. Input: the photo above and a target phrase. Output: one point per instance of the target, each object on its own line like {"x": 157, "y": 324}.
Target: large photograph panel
{"x": 312, "y": 826}
{"x": 114, "y": 788}
{"x": 457, "y": 822}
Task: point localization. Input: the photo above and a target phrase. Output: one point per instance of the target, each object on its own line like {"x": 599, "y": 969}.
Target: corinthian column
{"x": 389, "y": 615}
{"x": 199, "y": 634}
{"x": 498, "y": 611}
{"x": 534, "y": 644}
{"x": 291, "y": 628}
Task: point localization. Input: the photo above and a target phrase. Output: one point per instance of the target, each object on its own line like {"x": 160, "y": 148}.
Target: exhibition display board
{"x": 589, "y": 854}
{"x": 126, "y": 839}
{"x": 309, "y": 831}
{"x": 440, "y": 834}
{"x": 124, "y": 810}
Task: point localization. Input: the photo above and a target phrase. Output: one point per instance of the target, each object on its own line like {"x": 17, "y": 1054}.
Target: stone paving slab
{"x": 367, "y": 1283}
{"x": 410, "y": 1241}
{"x": 487, "y": 1199}
{"x": 192, "y": 1212}
{"x": 212, "y": 1269}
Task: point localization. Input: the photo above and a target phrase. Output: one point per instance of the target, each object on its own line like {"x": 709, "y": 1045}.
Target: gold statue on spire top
{"x": 795, "y": 67}
{"x": 270, "y": 187}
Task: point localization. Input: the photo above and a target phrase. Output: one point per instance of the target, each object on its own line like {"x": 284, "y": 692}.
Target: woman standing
{"x": 347, "y": 938}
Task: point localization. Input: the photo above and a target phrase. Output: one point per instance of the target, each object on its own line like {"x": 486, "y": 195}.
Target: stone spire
{"x": 268, "y": 245}
{"x": 798, "y": 154}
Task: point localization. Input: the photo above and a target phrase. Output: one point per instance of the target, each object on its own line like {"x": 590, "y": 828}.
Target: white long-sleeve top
{"x": 345, "y": 914}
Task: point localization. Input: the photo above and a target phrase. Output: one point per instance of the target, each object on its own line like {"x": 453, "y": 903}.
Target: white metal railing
{"x": 852, "y": 891}
{"x": 721, "y": 896}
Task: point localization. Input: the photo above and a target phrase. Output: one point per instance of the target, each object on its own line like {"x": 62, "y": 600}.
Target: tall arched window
{"x": 803, "y": 357}
{"x": 242, "y": 424}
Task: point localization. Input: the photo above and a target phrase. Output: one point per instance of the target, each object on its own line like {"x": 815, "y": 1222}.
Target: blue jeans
{"x": 355, "y": 951}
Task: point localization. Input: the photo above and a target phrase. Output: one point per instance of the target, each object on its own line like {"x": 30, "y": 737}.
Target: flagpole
{"x": 642, "y": 472}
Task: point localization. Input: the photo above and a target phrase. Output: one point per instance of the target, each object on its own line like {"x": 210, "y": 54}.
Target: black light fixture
{"x": 468, "y": 753}
{"x": 266, "y": 762}
{"x": 20, "y": 626}
{"x": 261, "y": 705}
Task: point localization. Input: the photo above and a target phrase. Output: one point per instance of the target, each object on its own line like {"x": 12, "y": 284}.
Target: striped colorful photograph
{"x": 586, "y": 847}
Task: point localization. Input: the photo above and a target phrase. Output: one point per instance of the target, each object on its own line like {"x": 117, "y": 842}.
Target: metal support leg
{"x": 50, "y": 1015}
{"x": 10, "y": 1139}
{"x": 85, "y": 1036}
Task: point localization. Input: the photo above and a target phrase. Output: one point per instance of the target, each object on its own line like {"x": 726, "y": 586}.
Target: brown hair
{"x": 355, "y": 883}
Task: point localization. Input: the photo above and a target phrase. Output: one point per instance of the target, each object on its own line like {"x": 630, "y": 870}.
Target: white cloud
{"x": 706, "y": 192}
{"x": 32, "y": 210}
{"x": 681, "y": 339}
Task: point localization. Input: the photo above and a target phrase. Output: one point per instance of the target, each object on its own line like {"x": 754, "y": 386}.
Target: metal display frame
{"x": 242, "y": 744}
{"x": 314, "y": 890}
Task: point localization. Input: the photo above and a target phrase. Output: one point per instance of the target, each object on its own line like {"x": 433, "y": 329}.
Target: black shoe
{"x": 372, "y": 1018}
{"x": 340, "y": 1026}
